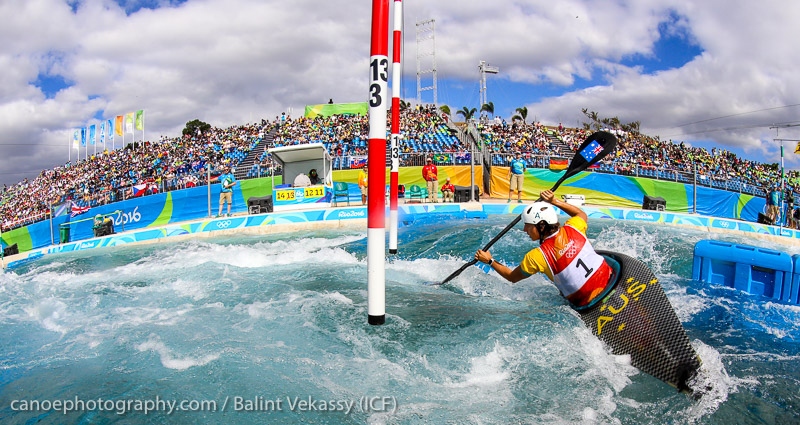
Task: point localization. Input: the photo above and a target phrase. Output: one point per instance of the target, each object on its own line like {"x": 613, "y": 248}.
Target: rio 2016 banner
{"x": 137, "y": 213}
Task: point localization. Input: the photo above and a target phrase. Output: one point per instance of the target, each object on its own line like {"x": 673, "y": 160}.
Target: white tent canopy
{"x": 300, "y": 159}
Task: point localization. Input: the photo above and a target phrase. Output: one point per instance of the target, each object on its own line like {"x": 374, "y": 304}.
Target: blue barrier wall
{"x": 758, "y": 271}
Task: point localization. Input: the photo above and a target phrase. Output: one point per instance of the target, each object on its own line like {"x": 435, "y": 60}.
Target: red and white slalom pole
{"x": 376, "y": 156}
{"x": 397, "y": 49}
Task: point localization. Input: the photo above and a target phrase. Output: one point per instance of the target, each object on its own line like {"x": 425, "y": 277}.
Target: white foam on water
{"x": 779, "y": 320}
{"x": 169, "y": 360}
{"x": 423, "y": 269}
{"x": 686, "y": 305}
{"x": 636, "y": 241}
{"x": 487, "y": 371}
{"x": 51, "y": 313}
{"x": 712, "y": 383}
{"x": 258, "y": 255}
{"x": 615, "y": 370}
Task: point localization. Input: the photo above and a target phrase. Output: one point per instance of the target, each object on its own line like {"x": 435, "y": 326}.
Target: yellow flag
{"x": 797, "y": 149}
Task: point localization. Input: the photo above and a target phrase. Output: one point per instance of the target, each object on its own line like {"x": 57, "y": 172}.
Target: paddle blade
{"x": 593, "y": 149}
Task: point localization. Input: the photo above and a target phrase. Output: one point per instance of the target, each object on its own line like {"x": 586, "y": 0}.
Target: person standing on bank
{"x": 564, "y": 254}
{"x": 448, "y": 190}
{"x": 431, "y": 175}
{"x": 789, "y": 196}
{"x": 516, "y": 177}
{"x": 362, "y": 184}
{"x": 226, "y": 191}
{"x": 773, "y": 204}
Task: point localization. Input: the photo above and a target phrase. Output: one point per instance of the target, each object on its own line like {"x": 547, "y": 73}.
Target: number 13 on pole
{"x": 376, "y": 163}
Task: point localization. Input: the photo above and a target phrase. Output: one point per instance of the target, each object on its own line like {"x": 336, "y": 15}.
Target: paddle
{"x": 593, "y": 149}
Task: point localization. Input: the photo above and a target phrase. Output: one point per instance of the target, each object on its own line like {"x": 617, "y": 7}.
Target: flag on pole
{"x": 76, "y": 139}
{"x": 103, "y": 133}
{"x": 75, "y": 209}
{"x": 110, "y": 130}
{"x": 357, "y": 162}
{"x": 797, "y": 149}
{"x": 92, "y": 133}
{"x": 129, "y": 122}
{"x": 139, "y": 189}
{"x": 118, "y": 125}
{"x": 61, "y": 209}
{"x": 140, "y": 120}
{"x": 83, "y": 136}
{"x": 557, "y": 164}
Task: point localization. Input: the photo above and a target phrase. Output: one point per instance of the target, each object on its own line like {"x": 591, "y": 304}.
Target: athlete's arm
{"x": 571, "y": 210}
{"x": 508, "y": 274}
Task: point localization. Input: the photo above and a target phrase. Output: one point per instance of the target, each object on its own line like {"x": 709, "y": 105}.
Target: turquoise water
{"x": 272, "y": 329}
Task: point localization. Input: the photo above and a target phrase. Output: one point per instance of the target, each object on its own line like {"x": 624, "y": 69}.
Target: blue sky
{"x": 705, "y": 73}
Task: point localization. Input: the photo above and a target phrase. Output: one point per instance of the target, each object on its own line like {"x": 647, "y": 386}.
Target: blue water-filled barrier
{"x": 757, "y": 271}
{"x": 794, "y": 293}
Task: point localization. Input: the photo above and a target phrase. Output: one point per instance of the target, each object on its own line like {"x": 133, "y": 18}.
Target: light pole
{"x": 484, "y": 69}
{"x": 783, "y": 178}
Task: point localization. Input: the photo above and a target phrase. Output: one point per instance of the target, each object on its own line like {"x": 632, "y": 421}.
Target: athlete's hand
{"x": 548, "y": 196}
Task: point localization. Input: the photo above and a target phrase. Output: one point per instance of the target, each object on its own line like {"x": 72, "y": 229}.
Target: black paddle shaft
{"x": 592, "y": 150}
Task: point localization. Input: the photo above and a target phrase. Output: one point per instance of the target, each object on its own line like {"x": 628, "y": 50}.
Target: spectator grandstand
{"x": 179, "y": 162}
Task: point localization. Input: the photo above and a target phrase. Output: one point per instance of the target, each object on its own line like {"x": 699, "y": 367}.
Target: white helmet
{"x": 540, "y": 211}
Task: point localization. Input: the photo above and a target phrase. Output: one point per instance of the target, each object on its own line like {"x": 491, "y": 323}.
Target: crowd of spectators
{"x": 346, "y": 135}
{"x": 178, "y": 162}
{"x": 343, "y": 134}
{"x": 636, "y": 150}
{"x": 139, "y": 169}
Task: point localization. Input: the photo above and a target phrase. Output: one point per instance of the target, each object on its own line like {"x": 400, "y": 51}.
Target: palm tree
{"x": 488, "y": 107}
{"x": 404, "y": 105}
{"x": 467, "y": 113}
{"x": 445, "y": 110}
{"x": 522, "y": 113}
{"x": 594, "y": 116}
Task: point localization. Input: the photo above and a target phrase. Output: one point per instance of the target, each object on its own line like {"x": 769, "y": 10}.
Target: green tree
{"x": 597, "y": 123}
{"x": 445, "y": 110}
{"x": 196, "y": 127}
{"x": 404, "y": 105}
{"x": 467, "y": 113}
{"x": 522, "y": 113}
{"x": 488, "y": 108}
